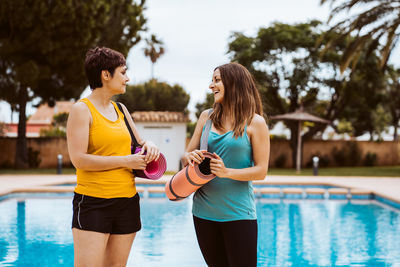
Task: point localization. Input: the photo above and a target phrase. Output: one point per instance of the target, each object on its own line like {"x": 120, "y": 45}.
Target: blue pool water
{"x": 35, "y": 231}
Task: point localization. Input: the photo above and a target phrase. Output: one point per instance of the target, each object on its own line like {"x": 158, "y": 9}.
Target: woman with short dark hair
{"x": 224, "y": 211}
{"x": 106, "y": 213}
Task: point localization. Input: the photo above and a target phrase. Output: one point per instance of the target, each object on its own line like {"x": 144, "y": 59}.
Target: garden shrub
{"x": 280, "y": 161}
{"x": 349, "y": 155}
{"x": 33, "y": 158}
{"x": 370, "y": 159}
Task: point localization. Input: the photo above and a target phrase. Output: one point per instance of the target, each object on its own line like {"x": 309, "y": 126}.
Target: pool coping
{"x": 387, "y": 188}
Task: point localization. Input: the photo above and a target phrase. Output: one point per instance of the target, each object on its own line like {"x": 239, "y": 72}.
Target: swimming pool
{"x": 35, "y": 231}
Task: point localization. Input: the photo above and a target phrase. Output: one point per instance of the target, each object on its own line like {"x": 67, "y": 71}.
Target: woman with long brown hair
{"x": 224, "y": 211}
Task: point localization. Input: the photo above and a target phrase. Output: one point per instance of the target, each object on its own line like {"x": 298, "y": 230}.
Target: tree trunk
{"x": 395, "y": 134}
{"x": 21, "y": 155}
{"x": 293, "y": 142}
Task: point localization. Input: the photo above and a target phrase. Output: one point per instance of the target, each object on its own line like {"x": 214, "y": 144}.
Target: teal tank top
{"x": 224, "y": 199}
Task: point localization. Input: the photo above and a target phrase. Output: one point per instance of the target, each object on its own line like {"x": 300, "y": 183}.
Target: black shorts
{"x": 113, "y": 215}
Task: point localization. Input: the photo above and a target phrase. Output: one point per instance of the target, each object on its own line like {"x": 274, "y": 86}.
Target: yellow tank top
{"x": 107, "y": 138}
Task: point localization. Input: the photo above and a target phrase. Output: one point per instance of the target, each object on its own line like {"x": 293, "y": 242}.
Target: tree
{"x": 155, "y": 96}
{"x": 43, "y": 44}
{"x": 375, "y": 26}
{"x": 392, "y": 98}
{"x": 208, "y": 103}
{"x": 58, "y": 126}
{"x": 154, "y": 51}
{"x": 286, "y": 64}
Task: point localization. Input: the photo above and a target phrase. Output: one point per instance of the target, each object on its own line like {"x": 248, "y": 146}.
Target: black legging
{"x": 228, "y": 244}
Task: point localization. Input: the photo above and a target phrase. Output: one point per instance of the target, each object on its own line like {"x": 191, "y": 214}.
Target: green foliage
{"x": 190, "y": 126}
{"x": 392, "y": 98}
{"x": 58, "y": 126}
{"x": 348, "y": 155}
{"x": 60, "y": 119}
{"x": 208, "y": 103}
{"x": 284, "y": 61}
{"x": 43, "y": 44}
{"x": 278, "y": 137}
{"x": 380, "y": 119}
{"x": 290, "y": 72}
{"x": 344, "y": 126}
{"x": 154, "y": 51}
{"x": 375, "y": 26}
{"x": 53, "y": 132}
{"x": 155, "y": 96}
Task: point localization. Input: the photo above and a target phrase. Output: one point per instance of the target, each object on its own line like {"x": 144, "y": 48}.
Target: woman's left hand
{"x": 217, "y": 167}
{"x": 153, "y": 153}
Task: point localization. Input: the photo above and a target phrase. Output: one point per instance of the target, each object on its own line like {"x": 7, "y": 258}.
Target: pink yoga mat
{"x": 154, "y": 170}
{"x": 189, "y": 179}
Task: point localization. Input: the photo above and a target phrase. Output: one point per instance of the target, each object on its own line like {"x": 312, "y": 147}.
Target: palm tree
{"x": 375, "y": 26}
{"x": 154, "y": 51}
{"x": 392, "y": 100}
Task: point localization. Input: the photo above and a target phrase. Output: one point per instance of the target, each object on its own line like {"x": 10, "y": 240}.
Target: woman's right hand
{"x": 136, "y": 162}
{"x": 195, "y": 156}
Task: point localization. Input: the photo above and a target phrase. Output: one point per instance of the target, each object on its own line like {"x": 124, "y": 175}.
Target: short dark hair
{"x": 99, "y": 59}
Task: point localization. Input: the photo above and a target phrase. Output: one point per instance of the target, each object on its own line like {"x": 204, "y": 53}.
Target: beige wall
{"x": 49, "y": 148}
{"x": 388, "y": 152}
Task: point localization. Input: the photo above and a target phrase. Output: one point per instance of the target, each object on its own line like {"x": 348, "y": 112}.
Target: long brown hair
{"x": 241, "y": 98}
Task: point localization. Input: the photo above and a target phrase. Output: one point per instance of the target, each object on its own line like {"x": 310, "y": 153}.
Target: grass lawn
{"x": 390, "y": 171}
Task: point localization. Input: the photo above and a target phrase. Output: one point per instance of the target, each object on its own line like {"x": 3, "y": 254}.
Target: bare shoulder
{"x": 257, "y": 124}
{"x": 80, "y": 108}
{"x": 204, "y": 116}
{"x": 258, "y": 121}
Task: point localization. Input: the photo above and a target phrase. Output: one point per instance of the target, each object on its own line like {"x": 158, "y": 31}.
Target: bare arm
{"x": 194, "y": 143}
{"x": 259, "y": 136}
{"x": 78, "y": 139}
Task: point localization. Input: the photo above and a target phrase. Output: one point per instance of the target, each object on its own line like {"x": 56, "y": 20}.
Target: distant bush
{"x": 53, "y": 132}
{"x": 278, "y": 137}
{"x": 349, "y": 155}
{"x": 6, "y": 165}
{"x": 370, "y": 159}
{"x": 190, "y": 126}
{"x": 33, "y": 158}
{"x": 280, "y": 161}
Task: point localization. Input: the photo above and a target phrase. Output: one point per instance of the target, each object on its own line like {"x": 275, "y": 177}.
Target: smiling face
{"x": 117, "y": 83}
{"x": 217, "y": 87}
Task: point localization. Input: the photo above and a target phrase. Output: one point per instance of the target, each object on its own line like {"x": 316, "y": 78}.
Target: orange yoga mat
{"x": 189, "y": 179}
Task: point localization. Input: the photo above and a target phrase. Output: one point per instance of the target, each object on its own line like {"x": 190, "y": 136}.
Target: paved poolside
{"x": 386, "y": 187}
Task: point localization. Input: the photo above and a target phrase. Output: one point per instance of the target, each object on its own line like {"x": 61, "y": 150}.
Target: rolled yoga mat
{"x": 189, "y": 179}
{"x": 154, "y": 169}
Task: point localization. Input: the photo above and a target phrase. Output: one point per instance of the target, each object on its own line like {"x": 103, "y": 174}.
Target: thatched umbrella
{"x": 299, "y": 115}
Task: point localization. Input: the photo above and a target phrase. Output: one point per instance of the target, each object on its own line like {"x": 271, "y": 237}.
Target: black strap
{"x": 134, "y": 141}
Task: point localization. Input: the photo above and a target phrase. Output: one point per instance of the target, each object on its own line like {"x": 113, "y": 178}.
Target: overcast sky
{"x": 196, "y": 35}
